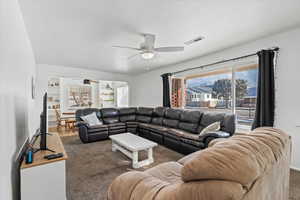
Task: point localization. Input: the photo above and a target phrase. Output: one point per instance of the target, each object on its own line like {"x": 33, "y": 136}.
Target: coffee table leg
{"x": 150, "y": 155}
{"x": 113, "y": 147}
{"x": 135, "y": 159}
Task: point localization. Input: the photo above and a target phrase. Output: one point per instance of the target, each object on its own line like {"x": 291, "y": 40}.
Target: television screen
{"x": 43, "y": 125}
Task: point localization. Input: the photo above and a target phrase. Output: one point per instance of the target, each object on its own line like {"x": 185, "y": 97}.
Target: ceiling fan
{"x": 147, "y": 49}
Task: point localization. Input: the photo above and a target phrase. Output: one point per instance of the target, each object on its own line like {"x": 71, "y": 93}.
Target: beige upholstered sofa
{"x": 253, "y": 166}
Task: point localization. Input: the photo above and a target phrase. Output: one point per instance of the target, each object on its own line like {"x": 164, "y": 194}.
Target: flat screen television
{"x": 43, "y": 125}
{"x": 42, "y": 133}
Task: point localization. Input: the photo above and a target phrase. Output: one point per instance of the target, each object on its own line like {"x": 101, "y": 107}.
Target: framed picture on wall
{"x": 79, "y": 97}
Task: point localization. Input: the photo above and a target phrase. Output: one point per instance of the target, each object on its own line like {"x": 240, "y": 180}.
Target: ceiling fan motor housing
{"x": 149, "y": 42}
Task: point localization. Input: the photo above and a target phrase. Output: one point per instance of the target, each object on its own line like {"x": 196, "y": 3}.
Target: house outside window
{"x": 230, "y": 90}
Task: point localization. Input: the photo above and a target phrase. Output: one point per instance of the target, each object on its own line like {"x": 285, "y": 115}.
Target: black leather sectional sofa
{"x": 177, "y": 129}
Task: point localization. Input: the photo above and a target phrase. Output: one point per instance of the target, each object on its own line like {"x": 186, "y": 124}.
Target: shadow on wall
{"x": 13, "y": 135}
{"x": 22, "y": 136}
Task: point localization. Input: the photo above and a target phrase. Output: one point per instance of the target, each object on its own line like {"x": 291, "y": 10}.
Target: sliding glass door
{"x": 245, "y": 95}
{"x": 210, "y": 91}
{"x": 230, "y": 90}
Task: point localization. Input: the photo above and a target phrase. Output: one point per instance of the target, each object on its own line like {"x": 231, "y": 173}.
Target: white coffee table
{"x": 130, "y": 145}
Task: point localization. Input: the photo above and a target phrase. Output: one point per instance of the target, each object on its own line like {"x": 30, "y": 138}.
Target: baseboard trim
{"x": 295, "y": 168}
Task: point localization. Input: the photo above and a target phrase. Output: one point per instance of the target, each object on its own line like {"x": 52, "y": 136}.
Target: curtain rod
{"x": 222, "y": 61}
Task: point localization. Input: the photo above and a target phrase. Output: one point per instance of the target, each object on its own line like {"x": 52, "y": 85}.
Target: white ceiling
{"x": 80, "y": 33}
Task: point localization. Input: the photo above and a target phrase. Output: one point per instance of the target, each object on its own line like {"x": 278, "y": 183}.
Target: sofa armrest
{"x": 81, "y": 123}
{"x": 83, "y": 133}
{"x": 134, "y": 185}
{"x": 213, "y": 135}
{"x": 142, "y": 185}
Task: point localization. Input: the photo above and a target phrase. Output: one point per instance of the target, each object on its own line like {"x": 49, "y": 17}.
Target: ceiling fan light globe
{"x": 147, "y": 55}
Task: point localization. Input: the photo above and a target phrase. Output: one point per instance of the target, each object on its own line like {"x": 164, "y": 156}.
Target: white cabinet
{"x": 44, "y": 182}
{"x": 45, "y": 179}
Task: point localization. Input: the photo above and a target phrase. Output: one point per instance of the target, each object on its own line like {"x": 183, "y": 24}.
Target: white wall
{"x": 17, "y": 66}
{"x": 147, "y": 88}
{"x": 44, "y": 72}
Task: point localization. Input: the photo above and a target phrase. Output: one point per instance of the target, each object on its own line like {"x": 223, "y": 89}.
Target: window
{"x": 217, "y": 84}
{"x": 230, "y": 90}
{"x": 245, "y": 95}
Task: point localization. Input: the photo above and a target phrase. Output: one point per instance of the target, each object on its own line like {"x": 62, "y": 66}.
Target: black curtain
{"x": 166, "y": 90}
{"x": 265, "y": 105}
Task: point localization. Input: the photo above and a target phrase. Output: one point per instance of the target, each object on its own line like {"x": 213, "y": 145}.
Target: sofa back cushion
{"x": 110, "y": 115}
{"x": 209, "y": 118}
{"x": 83, "y": 112}
{"x": 144, "y": 114}
{"x": 189, "y": 120}
{"x": 159, "y": 111}
{"x": 227, "y": 121}
{"x": 172, "y": 117}
{"x": 127, "y": 114}
{"x": 158, "y": 114}
{"x": 228, "y": 124}
{"x": 241, "y": 158}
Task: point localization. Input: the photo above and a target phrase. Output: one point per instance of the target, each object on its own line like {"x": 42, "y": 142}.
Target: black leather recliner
{"x": 128, "y": 116}
{"x": 111, "y": 117}
{"x": 90, "y": 133}
{"x": 177, "y": 129}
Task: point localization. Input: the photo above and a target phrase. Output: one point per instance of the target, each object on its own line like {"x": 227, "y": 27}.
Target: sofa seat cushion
{"x": 144, "y": 125}
{"x": 195, "y": 143}
{"x": 97, "y": 128}
{"x": 172, "y": 133}
{"x": 177, "y": 132}
{"x": 184, "y": 136}
{"x": 116, "y": 126}
{"x": 188, "y": 135}
{"x": 152, "y": 127}
{"x": 132, "y": 124}
{"x": 169, "y": 172}
{"x": 116, "y": 131}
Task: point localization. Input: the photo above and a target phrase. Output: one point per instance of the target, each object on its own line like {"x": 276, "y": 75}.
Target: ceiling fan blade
{"x": 124, "y": 47}
{"x": 130, "y": 57}
{"x": 169, "y": 49}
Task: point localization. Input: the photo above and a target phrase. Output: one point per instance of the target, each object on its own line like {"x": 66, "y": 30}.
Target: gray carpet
{"x": 92, "y": 167}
